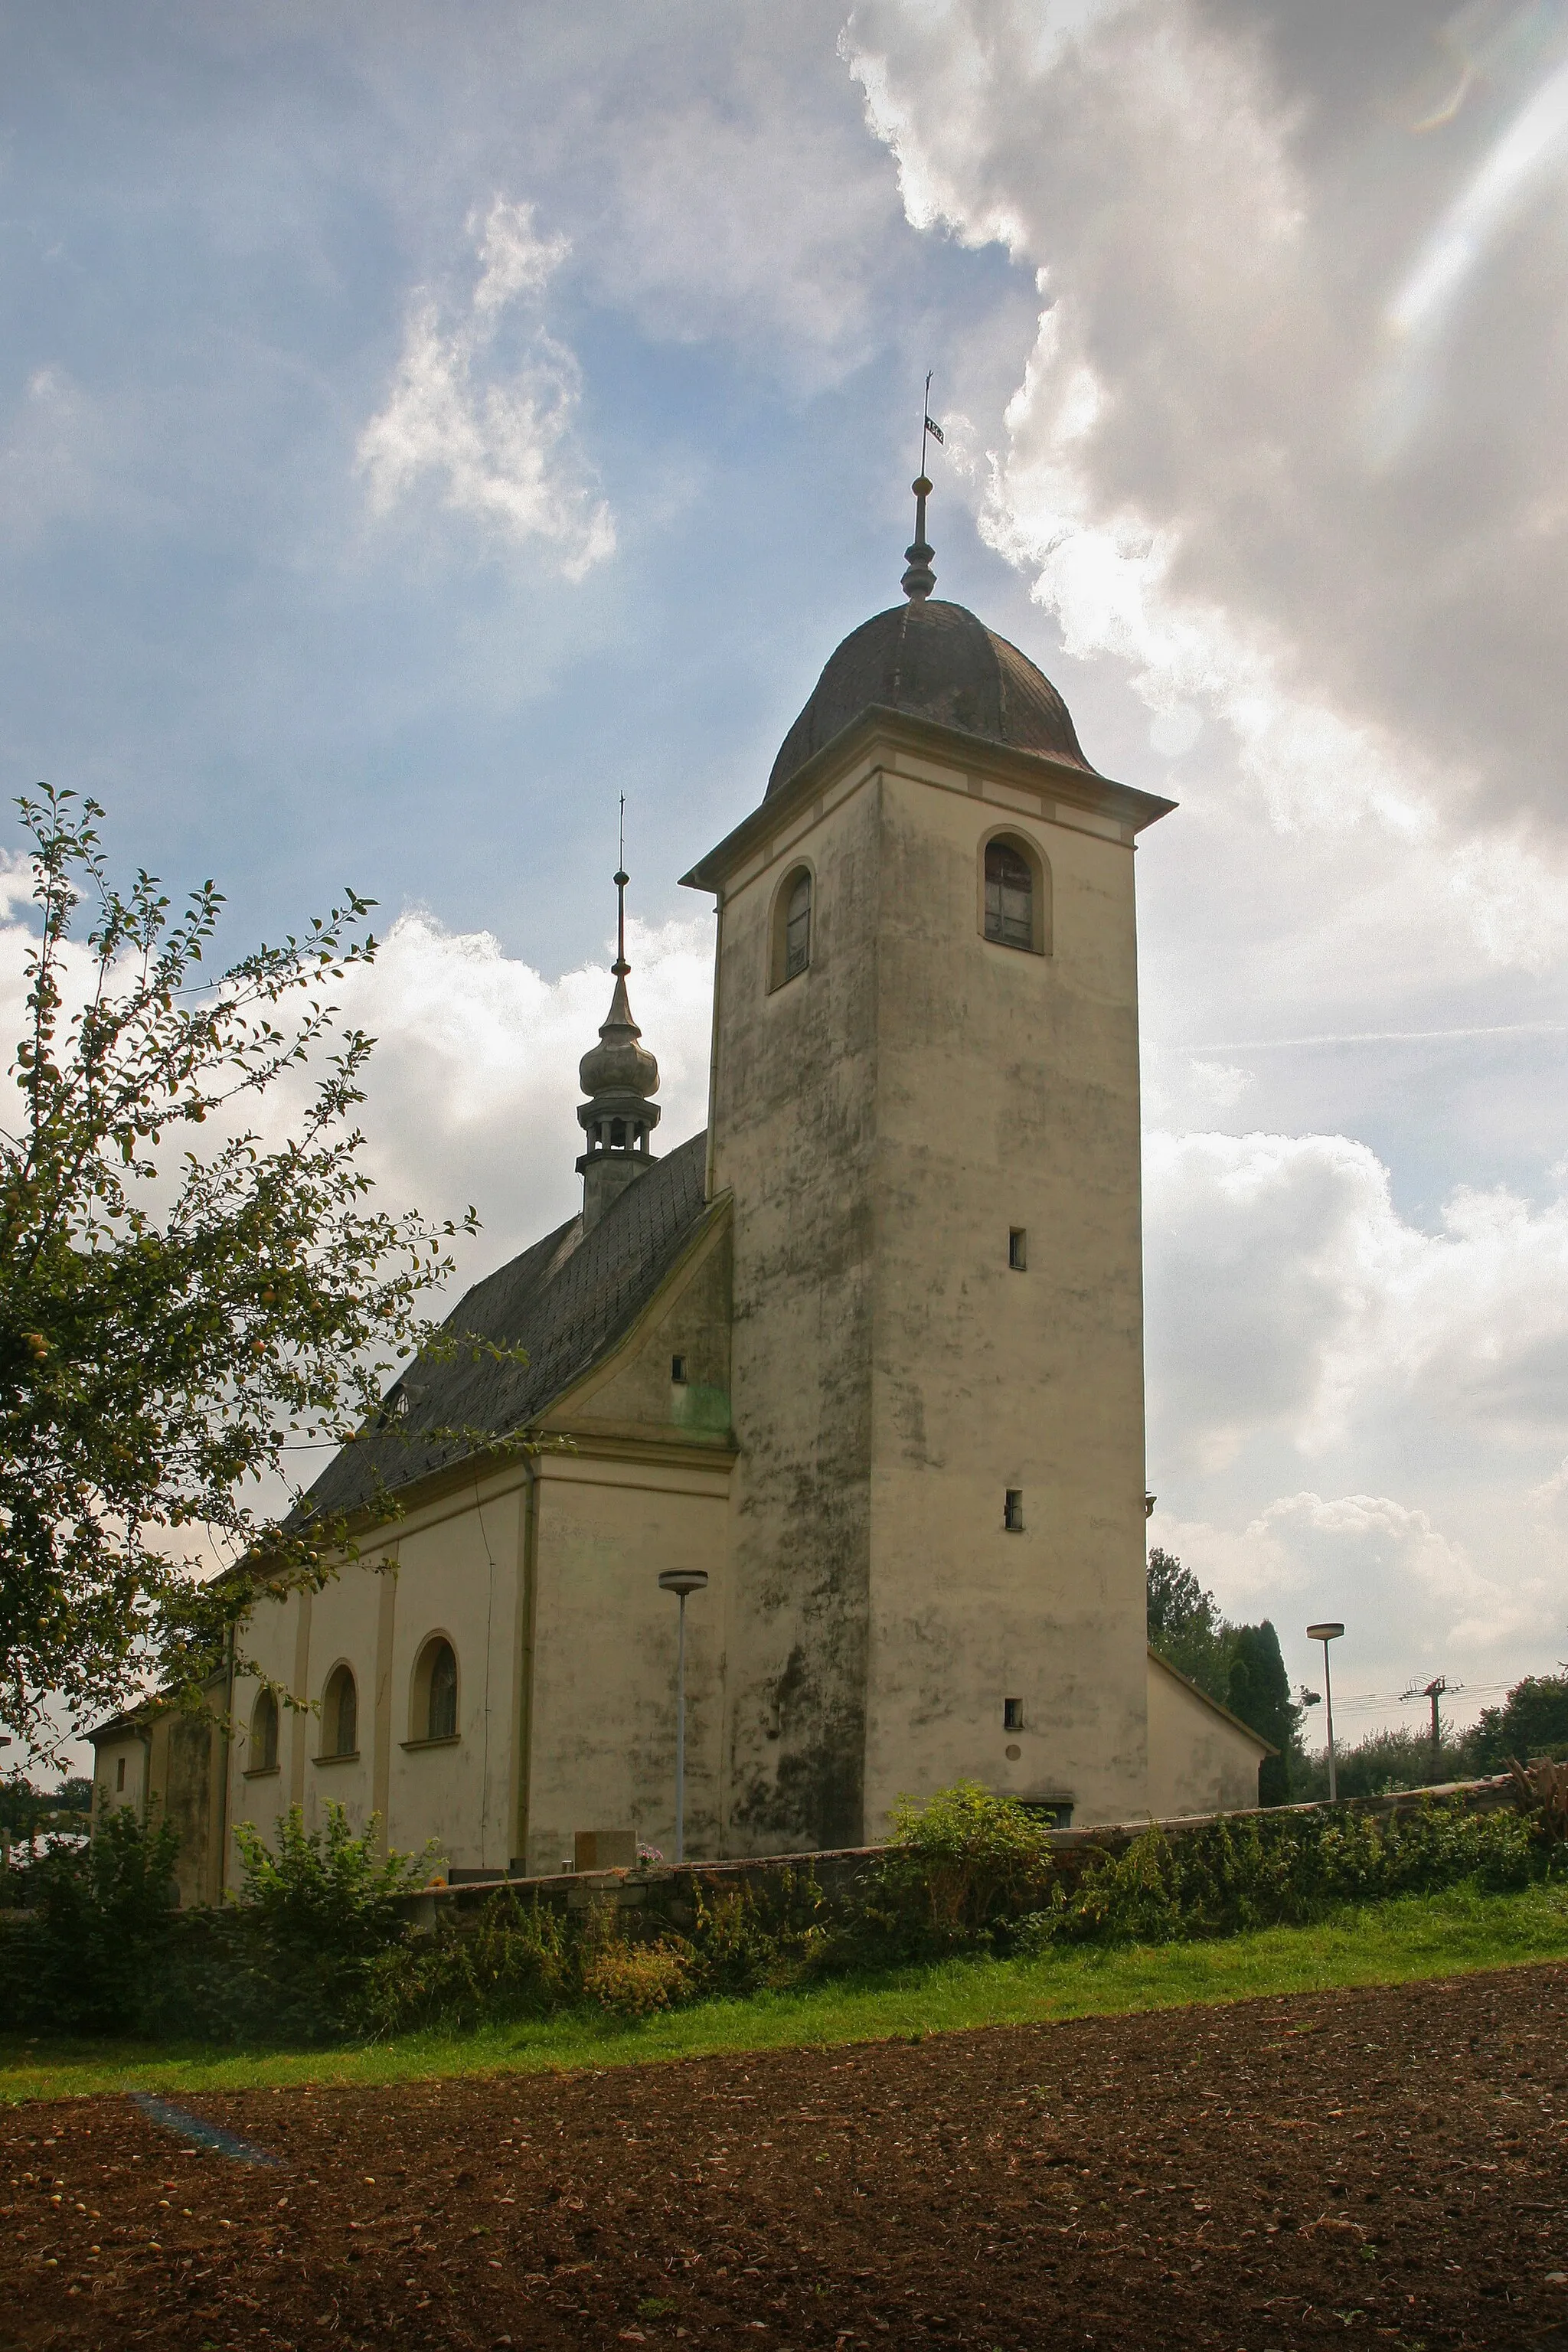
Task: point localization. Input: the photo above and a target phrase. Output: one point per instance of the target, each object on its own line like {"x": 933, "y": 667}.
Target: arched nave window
{"x": 340, "y": 1714}
{"x": 264, "y": 1734}
{"x": 434, "y": 1713}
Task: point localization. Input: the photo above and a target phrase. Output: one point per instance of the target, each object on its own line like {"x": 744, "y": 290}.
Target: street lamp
{"x": 680, "y": 1582}
{"x": 1327, "y": 1634}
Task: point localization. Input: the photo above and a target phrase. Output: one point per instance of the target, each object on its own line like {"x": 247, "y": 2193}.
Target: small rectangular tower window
{"x": 1017, "y": 1249}
{"x": 1012, "y": 1714}
{"x": 120, "y": 1773}
{"x": 677, "y": 1370}
{"x": 1013, "y": 1511}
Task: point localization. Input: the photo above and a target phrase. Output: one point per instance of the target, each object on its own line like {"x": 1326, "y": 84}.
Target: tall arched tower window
{"x": 792, "y": 927}
{"x": 1009, "y": 896}
{"x": 1015, "y": 893}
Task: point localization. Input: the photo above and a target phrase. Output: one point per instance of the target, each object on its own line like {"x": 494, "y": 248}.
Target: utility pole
{"x": 1435, "y": 1689}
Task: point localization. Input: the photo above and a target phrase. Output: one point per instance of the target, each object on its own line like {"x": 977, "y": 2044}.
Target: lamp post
{"x": 680, "y": 1582}
{"x": 1327, "y": 1634}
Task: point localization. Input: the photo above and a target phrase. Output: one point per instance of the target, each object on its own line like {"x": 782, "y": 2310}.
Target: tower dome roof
{"x": 934, "y": 661}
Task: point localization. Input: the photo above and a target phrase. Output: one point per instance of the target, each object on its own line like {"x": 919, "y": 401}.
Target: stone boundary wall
{"x": 667, "y": 1890}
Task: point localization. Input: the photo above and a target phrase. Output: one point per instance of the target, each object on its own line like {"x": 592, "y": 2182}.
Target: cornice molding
{"x": 1058, "y": 781}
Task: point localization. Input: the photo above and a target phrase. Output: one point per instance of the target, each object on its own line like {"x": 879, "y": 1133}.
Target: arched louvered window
{"x": 797, "y": 927}
{"x": 790, "y": 947}
{"x": 1009, "y": 896}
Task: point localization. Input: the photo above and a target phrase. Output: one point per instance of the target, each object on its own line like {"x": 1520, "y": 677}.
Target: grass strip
{"x": 1421, "y": 1935}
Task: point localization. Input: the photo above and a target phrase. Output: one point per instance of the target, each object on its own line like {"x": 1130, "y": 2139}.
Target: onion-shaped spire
{"x": 619, "y": 1076}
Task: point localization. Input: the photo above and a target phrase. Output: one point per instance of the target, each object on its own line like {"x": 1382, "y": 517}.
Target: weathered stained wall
{"x": 174, "y": 1765}
{"x": 1199, "y": 1760}
{"x": 1007, "y": 1096}
{"x": 879, "y": 1122}
{"x": 185, "y": 1771}
{"x": 794, "y": 1134}
{"x": 632, "y": 1389}
{"x": 129, "y": 1747}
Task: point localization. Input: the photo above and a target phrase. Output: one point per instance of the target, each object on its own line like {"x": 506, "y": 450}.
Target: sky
{"x": 419, "y": 427}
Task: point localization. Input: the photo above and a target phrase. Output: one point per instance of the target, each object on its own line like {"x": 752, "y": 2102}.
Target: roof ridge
{"x": 563, "y": 1312}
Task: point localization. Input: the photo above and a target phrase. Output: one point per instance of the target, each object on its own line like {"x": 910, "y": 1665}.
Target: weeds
{"x": 316, "y": 1945}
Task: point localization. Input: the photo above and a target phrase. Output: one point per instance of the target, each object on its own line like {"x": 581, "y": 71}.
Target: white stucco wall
{"x": 128, "y": 1749}
{"x": 1200, "y": 1760}
{"x": 601, "y": 1712}
{"x": 453, "y": 1567}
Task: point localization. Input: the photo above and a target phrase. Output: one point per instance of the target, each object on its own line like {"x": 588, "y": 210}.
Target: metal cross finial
{"x": 621, "y": 967}
{"x": 919, "y": 578}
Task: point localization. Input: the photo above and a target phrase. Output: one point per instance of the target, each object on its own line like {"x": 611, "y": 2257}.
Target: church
{"x": 861, "y": 1365}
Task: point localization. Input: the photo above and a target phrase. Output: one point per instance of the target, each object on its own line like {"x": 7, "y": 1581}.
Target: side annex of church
{"x": 867, "y": 1353}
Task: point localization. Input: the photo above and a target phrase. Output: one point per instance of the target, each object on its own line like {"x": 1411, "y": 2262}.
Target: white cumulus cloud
{"x": 1182, "y": 470}
{"x": 501, "y": 441}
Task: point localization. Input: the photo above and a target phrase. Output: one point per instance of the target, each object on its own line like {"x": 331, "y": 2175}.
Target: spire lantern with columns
{"x": 619, "y": 1076}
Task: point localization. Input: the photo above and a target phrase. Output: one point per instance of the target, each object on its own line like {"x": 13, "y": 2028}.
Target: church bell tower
{"x": 925, "y": 1113}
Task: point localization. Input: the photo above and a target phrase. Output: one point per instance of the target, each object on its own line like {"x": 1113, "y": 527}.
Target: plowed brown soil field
{"x": 1386, "y": 2165}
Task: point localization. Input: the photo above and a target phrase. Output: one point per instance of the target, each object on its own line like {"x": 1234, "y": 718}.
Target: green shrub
{"x": 1280, "y": 1870}
{"x": 314, "y": 1916}
{"x": 81, "y": 1957}
{"x": 745, "y": 1937}
{"x": 964, "y": 1859}
{"x": 295, "y": 1955}
{"x": 518, "y": 1960}
{"x": 316, "y": 1944}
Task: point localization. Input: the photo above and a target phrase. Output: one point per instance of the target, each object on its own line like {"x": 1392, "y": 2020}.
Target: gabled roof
{"x": 1212, "y": 1704}
{"x": 566, "y": 1302}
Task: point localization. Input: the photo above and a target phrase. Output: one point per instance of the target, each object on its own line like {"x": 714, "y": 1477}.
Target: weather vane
{"x": 919, "y": 578}
{"x": 929, "y": 429}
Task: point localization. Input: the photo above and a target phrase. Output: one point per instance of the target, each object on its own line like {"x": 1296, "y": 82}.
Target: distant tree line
{"x": 1241, "y": 1666}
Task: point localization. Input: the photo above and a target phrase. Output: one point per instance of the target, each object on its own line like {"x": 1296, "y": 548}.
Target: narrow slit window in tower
{"x": 1013, "y": 1511}
{"x": 1017, "y": 1249}
{"x": 677, "y": 1370}
{"x": 1012, "y": 1714}
{"x": 1009, "y": 897}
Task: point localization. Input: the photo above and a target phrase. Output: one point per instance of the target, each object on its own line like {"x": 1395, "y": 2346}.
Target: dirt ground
{"x": 1391, "y": 2165}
